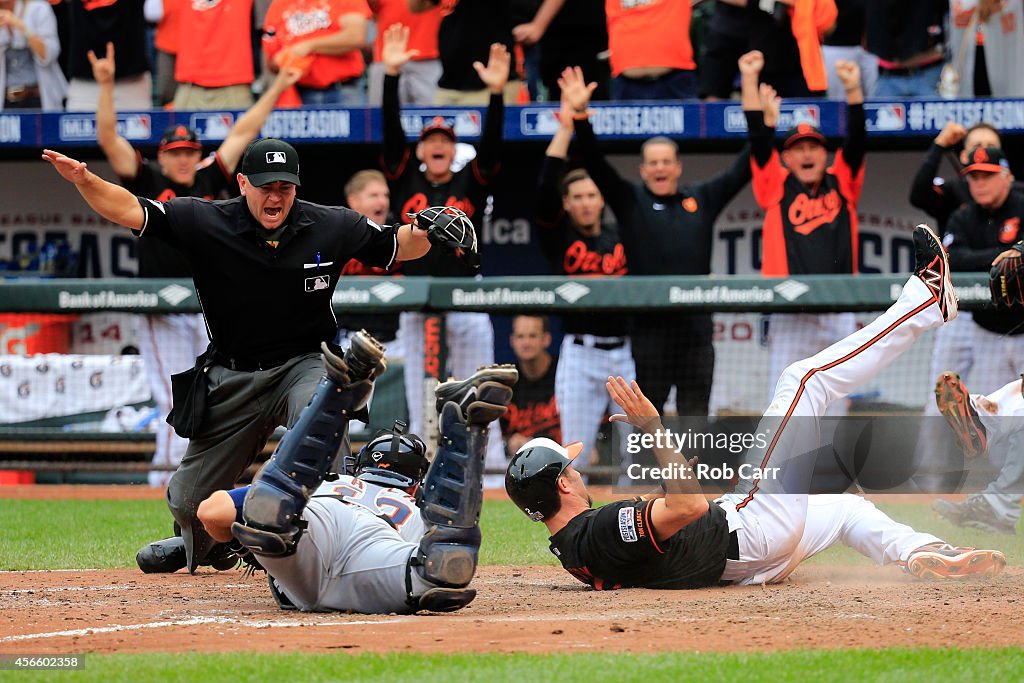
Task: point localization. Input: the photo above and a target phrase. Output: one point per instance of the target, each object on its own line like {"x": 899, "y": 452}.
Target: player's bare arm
{"x": 683, "y": 502}
{"x": 217, "y": 513}
{"x": 248, "y": 125}
{"x": 559, "y": 145}
{"x": 111, "y": 201}
{"x": 119, "y": 152}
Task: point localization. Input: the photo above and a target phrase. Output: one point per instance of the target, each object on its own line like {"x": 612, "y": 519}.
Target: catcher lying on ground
{"x": 352, "y": 544}
{"x": 763, "y": 530}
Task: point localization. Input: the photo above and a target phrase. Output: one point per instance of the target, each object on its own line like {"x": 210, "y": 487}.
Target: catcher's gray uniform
{"x": 354, "y": 555}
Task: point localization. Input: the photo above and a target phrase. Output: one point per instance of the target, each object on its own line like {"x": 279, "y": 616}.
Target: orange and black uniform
{"x": 614, "y": 546}
{"x": 808, "y": 230}
{"x": 412, "y": 192}
{"x": 668, "y": 235}
{"x": 157, "y": 258}
{"x": 573, "y": 254}
{"x": 533, "y": 411}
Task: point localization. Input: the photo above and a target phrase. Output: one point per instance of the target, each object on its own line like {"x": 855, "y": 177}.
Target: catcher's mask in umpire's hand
{"x": 392, "y": 458}
{"x": 532, "y": 475}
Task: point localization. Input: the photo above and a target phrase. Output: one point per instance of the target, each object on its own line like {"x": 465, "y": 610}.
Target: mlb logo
{"x": 276, "y": 158}
{"x": 135, "y": 127}
{"x": 886, "y": 117}
{"x": 538, "y": 122}
{"x": 797, "y": 114}
{"x": 320, "y": 282}
{"x": 212, "y": 126}
{"x": 468, "y": 124}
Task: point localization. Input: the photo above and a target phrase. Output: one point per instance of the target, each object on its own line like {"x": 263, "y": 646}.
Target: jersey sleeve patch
{"x": 627, "y": 525}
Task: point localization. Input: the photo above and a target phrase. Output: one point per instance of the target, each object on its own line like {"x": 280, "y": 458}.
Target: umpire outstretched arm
{"x": 118, "y": 205}
{"x": 684, "y": 502}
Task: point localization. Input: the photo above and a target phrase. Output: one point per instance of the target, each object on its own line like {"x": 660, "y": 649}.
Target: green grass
{"x": 820, "y": 666}
{"x": 81, "y": 534}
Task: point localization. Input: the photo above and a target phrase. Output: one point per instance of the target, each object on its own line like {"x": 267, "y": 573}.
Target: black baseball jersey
{"x": 974, "y": 237}
{"x": 267, "y": 301}
{"x": 670, "y": 235}
{"x": 533, "y": 411}
{"x": 157, "y": 258}
{"x": 412, "y": 192}
{"x": 569, "y": 252}
{"x": 614, "y": 546}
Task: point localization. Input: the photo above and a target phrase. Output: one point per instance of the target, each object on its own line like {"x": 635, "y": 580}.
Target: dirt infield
{"x": 519, "y": 609}
{"x": 529, "y": 609}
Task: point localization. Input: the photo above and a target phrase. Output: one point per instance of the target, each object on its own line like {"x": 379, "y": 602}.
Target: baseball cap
{"x": 180, "y": 137}
{"x": 270, "y": 160}
{"x": 988, "y": 159}
{"x": 438, "y": 124}
{"x": 803, "y": 131}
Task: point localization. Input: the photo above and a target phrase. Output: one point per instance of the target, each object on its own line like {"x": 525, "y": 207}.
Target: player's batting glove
{"x": 1006, "y": 280}
{"x": 450, "y": 229}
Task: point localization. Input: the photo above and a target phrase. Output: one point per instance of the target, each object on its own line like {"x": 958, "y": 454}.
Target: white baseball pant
{"x": 168, "y": 345}
{"x": 470, "y": 344}
{"x": 580, "y": 391}
{"x": 777, "y": 524}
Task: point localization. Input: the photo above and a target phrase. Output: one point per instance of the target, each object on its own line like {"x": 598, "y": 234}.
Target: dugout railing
{"x": 40, "y": 439}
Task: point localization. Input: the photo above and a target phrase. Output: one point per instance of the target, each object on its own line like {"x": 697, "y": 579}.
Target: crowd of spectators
{"x": 221, "y": 54}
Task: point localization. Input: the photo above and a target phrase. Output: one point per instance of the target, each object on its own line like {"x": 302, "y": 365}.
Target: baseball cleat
{"x": 932, "y": 266}
{"x": 956, "y": 406}
{"x": 481, "y": 397}
{"x": 944, "y": 561}
{"x": 976, "y": 513}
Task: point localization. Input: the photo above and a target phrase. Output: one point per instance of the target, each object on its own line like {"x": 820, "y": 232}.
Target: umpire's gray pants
{"x": 243, "y": 410}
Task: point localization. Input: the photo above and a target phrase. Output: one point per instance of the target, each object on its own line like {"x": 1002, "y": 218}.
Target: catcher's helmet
{"x": 530, "y": 480}
{"x": 392, "y": 458}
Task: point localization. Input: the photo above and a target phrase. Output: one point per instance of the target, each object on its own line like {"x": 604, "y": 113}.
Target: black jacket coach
{"x": 267, "y": 295}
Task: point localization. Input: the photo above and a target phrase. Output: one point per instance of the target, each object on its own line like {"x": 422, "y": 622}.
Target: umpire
{"x": 265, "y": 266}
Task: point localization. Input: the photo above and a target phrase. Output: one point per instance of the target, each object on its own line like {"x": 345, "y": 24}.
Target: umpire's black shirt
{"x": 615, "y": 546}
{"x": 266, "y": 302}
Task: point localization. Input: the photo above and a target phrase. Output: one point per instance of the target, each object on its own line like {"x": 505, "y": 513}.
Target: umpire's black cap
{"x": 532, "y": 475}
{"x": 270, "y": 160}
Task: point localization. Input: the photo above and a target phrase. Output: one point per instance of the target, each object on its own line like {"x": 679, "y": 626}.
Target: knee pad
{"x": 273, "y": 507}
{"x": 447, "y": 556}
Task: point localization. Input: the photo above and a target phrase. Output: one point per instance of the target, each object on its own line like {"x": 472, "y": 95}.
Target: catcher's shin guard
{"x": 273, "y": 506}
{"x": 452, "y": 498}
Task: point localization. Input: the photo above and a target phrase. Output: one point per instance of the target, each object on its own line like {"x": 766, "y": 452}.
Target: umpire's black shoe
{"x": 162, "y": 557}
{"x": 168, "y": 556}
{"x": 483, "y": 396}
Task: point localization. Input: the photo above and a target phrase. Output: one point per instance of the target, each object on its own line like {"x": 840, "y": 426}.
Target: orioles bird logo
{"x": 1008, "y": 232}
{"x": 689, "y": 204}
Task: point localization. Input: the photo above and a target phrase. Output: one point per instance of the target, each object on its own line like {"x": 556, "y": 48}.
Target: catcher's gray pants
{"x": 1006, "y": 437}
{"x": 348, "y": 560}
{"x": 243, "y": 410}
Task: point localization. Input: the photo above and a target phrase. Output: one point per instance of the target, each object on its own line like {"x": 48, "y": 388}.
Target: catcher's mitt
{"x": 451, "y": 229}
{"x": 1006, "y": 280}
